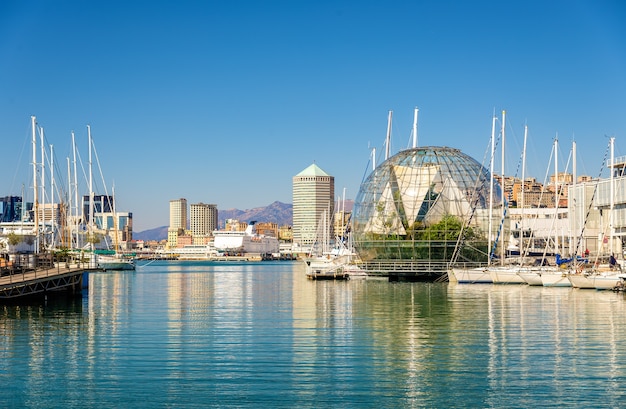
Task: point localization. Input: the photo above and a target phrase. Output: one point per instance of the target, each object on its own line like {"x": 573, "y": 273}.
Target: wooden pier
{"x": 62, "y": 277}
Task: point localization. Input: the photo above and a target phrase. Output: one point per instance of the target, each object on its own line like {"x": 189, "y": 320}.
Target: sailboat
{"x": 603, "y": 276}
{"x": 116, "y": 260}
{"x": 332, "y": 261}
{"x": 108, "y": 259}
{"x": 510, "y": 274}
{"x": 482, "y": 275}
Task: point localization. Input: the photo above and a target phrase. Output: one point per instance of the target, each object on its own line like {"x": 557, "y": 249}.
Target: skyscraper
{"x": 202, "y": 219}
{"x": 178, "y": 220}
{"x": 313, "y": 193}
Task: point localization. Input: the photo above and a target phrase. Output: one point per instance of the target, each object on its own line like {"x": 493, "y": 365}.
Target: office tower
{"x": 202, "y": 219}
{"x": 178, "y": 221}
{"x": 178, "y": 214}
{"x": 313, "y": 194}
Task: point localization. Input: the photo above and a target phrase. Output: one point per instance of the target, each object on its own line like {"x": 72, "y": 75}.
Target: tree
{"x": 15, "y": 239}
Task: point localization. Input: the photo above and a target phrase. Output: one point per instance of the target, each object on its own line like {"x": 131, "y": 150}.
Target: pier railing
{"x": 42, "y": 275}
{"x": 422, "y": 270}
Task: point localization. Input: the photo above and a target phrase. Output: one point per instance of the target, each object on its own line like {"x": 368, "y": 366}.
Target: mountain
{"x": 158, "y": 234}
{"x": 277, "y": 212}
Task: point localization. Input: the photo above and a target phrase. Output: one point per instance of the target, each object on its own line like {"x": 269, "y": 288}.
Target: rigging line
{"x": 460, "y": 243}
{"x": 593, "y": 195}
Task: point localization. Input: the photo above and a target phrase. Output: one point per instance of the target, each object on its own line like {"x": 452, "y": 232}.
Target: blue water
{"x": 185, "y": 334}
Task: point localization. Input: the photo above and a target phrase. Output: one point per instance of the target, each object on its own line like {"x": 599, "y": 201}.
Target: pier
{"x": 21, "y": 283}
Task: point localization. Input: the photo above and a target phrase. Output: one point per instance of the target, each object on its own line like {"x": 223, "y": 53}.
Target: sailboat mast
{"x": 69, "y": 207}
{"x": 415, "y": 128}
{"x": 521, "y": 236}
{"x": 43, "y": 184}
{"x": 36, "y": 198}
{"x": 75, "y": 190}
{"x": 388, "y": 139}
{"x": 577, "y": 213}
{"x": 90, "y": 184}
{"x": 343, "y": 213}
{"x": 503, "y": 183}
{"x": 493, "y": 147}
{"x": 556, "y": 190}
{"x": 52, "y": 212}
{"x": 612, "y": 193}
{"x": 373, "y": 159}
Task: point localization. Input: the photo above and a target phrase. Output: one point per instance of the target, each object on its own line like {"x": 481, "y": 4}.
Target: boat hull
{"x": 581, "y": 281}
{"x": 115, "y": 263}
{"x": 470, "y": 275}
{"x": 605, "y": 282}
{"x": 506, "y": 276}
{"x": 531, "y": 277}
{"x": 555, "y": 279}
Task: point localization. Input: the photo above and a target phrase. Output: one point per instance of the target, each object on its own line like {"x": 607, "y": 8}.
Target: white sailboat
{"x": 480, "y": 275}
{"x": 110, "y": 260}
{"x": 510, "y": 274}
{"x": 117, "y": 260}
{"x": 556, "y": 276}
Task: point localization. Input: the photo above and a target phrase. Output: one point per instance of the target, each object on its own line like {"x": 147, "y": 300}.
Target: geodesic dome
{"x": 415, "y": 204}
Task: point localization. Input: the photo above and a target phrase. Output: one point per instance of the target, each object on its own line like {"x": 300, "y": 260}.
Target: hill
{"x": 277, "y": 212}
{"x": 158, "y": 234}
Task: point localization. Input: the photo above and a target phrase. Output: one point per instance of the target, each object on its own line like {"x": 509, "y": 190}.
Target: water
{"x": 262, "y": 335}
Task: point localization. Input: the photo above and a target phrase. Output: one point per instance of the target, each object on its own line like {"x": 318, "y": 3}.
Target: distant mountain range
{"x": 277, "y": 212}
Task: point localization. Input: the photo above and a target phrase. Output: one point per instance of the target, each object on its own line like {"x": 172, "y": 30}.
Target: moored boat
{"x": 242, "y": 242}
{"x": 581, "y": 280}
{"x": 531, "y": 276}
{"x": 606, "y": 281}
{"x": 555, "y": 278}
{"x": 478, "y": 275}
{"x": 115, "y": 262}
{"x": 506, "y": 275}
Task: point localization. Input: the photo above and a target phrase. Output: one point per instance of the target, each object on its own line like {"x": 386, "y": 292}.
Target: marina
{"x": 262, "y": 334}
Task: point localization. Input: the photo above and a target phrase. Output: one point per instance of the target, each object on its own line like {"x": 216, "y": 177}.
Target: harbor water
{"x": 200, "y": 334}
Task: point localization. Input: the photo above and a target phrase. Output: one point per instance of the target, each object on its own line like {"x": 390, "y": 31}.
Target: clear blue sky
{"x": 224, "y": 102}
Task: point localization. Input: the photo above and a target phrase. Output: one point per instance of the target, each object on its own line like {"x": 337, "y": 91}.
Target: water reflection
{"x": 261, "y": 334}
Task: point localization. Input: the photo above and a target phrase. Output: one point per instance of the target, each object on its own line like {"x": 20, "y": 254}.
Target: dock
{"x": 54, "y": 279}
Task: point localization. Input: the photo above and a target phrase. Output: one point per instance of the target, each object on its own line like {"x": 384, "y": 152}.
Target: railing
{"x": 27, "y": 267}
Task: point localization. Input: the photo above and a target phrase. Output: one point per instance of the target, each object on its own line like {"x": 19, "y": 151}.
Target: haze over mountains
{"x": 277, "y": 212}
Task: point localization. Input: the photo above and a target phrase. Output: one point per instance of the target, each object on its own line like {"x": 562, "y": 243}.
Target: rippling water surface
{"x": 174, "y": 334}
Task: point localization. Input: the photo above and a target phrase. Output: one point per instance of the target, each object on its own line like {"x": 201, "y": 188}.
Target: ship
{"x": 245, "y": 242}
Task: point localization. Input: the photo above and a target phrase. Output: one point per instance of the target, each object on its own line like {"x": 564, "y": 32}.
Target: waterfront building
{"x": 267, "y": 229}
{"x": 202, "y": 221}
{"x": 285, "y": 233}
{"x": 178, "y": 214}
{"x": 313, "y": 194}
{"x": 535, "y": 195}
{"x": 341, "y": 222}
{"x": 178, "y": 221}
{"x": 118, "y": 226}
{"x": 598, "y": 213}
{"x": 101, "y": 204}
{"x": 235, "y": 225}
{"x": 11, "y": 209}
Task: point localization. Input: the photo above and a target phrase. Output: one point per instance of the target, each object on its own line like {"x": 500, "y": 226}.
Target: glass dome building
{"x": 415, "y": 205}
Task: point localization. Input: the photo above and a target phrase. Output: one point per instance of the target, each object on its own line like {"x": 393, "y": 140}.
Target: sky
{"x": 224, "y": 102}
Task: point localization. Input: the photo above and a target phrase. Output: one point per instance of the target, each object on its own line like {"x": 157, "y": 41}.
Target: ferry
{"x": 242, "y": 242}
